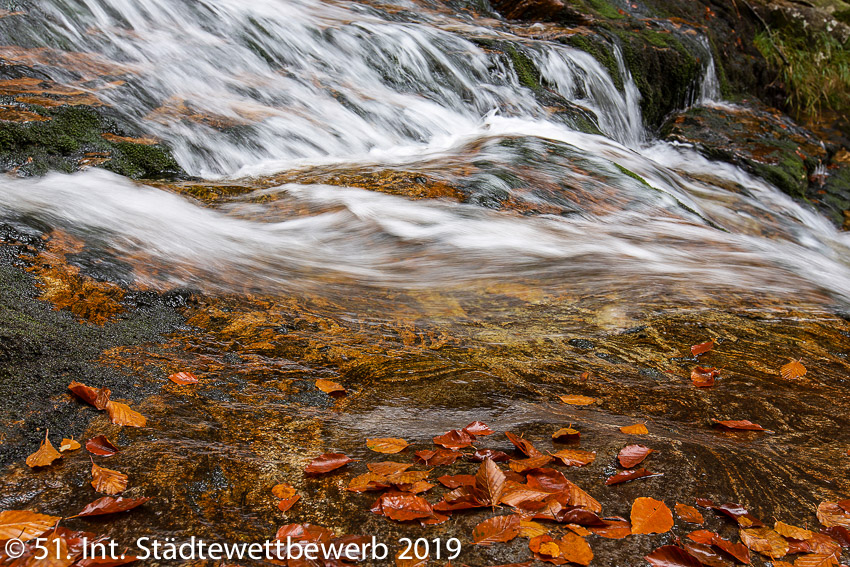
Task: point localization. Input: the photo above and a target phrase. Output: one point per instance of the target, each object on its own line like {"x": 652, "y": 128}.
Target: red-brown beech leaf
{"x": 101, "y": 446}
{"x": 845, "y": 505}
{"x": 651, "y": 516}
{"x": 737, "y": 550}
{"x": 671, "y": 556}
{"x": 523, "y": 465}
{"x": 704, "y": 377}
{"x": 614, "y": 528}
{"x": 437, "y": 457}
{"x": 327, "y": 462}
{"x": 632, "y": 455}
{"x": 489, "y": 483}
{"x": 456, "y": 481}
{"x": 739, "y": 425}
{"x": 183, "y": 378}
{"x": 707, "y": 555}
{"x": 403, "y": 507}
{"x": 702, "y": 536}
{"x": 287, "y": 503}
{"x": 304, "y": 533}
{"x": 523, "y": 445}
{"x": 739, "y": 514}
{"x": 689, "y": 514}
{"x": 111, "y": 505}
{"x": 701, "y": 348}
{"x": 629, "y": 475}
{"x": 97, "y": 397}
{"x": 478, "y": 429}
{"x": 839, "y": 534}
{"x": 454, "y": 439}
{"x": 497, "y": 456}
{"x": 495, "y": 530}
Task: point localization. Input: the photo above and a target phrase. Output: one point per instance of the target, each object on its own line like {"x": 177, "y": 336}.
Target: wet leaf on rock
{"x": 97, "y": 397}
{"x": 671, "y": 556}
{"x": 478, "y": 429}
{"x": 614, "y": 528}
{"x": 793, "y": 370}
{"x": 387, "y": 445}
{"x": 497, "y": 456}
{"x": 816, "y": 560}
{"x": 111, "y": 505}
{"x": 575, "y": 457}
{"x": 523, "y": 465}
{"x": 69, "y": 445}
{"x": 575, "y": 549}
{"x": 45, "y": 455}
{"x": 101, "y": 446}
{"x": 327, "y": 462}
{"x": 496, "y": 529}
{"x": 183, "y": 378}
{"x": 832, "y": 514}
{"x": 454, "y": 439}
{"x": 121, "y": 414}
{"x": 108, "y": 481}
{"x": 689, "y": 514}
{"x": 330, "y": 387}
{"x": 577, "y": 400}
{"x": 489, "y": 483}
{"x": 402, "y": 507}
{"x": 739, "y": 425}
{"x": 566, "y": 435}
{"x": 636, "y": 429}
{"x": 437, "y": 457}
{"x": 629, "y": 475}
{"x": 523, "y": 445}
{"x": 765, "y": 541}
{"x": 650, "y": 516}
{"x": 24, "y": 525}
{"x": 632, "y": 455}
{"x": 704, "y": 377}
{"x": 792, "y": 532}
{"x": 702, "y": 348}
{"x": 388, "y": 467}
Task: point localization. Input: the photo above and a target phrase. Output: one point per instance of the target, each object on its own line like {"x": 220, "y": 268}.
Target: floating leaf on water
{"x": 45, "y": 455}
{"x": 327, "y": 462}
{"x": 650, "y": 516}
{"x": 387, "y": 445}
{"x": 702, "y": 348}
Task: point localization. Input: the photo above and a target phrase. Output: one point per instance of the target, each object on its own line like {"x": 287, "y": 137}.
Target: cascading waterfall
{"x": 250, "y": 89}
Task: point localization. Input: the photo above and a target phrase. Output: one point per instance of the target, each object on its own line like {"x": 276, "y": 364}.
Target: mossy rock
{"x": 70, "y": 137}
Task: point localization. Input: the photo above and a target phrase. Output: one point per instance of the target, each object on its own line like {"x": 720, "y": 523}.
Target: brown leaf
{"x": 706, "y": 554}
{"x": 456, "y": 481}
{"x": 632, "y": 455}
{"x": 183, "y": 378}
{"x": 283, "y": 491}
{"x": 478, "y": 429}
{"x": 97, "y": 397}
{"x": 498, "y": 456}
{"x": 368, "y": 482}
{"x": 840, "y": 534}
{"x": 651, "y": 516}
{"x": 575, "y": 457}
{"x": 636, "y": 429}
{"x": 327, "y": 462}
{"x": 739, "y": 425}
{"x": 702, "y": 536}
{"x": 496, "y": 529}
{"x": 613, "y": 529}
{"x": 69, "y": 445}
{"x": 765, "y": 541}
{"x": 388, "y": 467}
{"x": 437, "y": 457}
{"x": 403, "y": 507}
{"x": 489, "y": 483}
{"x": 523, "y": 465}
{"x": 121, "y": 414}
{"x": 704, "y": 377}
{"x": 671, "y": 556}
{"x": 45, "y": 455}
{"x": 816, "y": 560}
{"x": 330, "y": 387}
{"x": 793, "y": 370}
{"x": 566, "y": 434}
{"x": 24, "y": 525}
{"x": 689, "y": 514}
{"x": 101, "y": 446}
{"x": 736, "y": 550}
{"x": 792, "y": 532}
{"x": 108, "y": 481}
{"x": 701, "y": 348}
{"x": 387, "y": 445}
{"x": 577, "y": 400}
{"x": 111, "y": 505}
{"x": 575, "y": 549}
{"x": 629, "y": 475}
{"x": 454, "y": 439}
{"x": 523, "y": 445}
{"x": 832, "y": 514}
{"x": 286, "y": 503}
{"x": 738, "y": 513}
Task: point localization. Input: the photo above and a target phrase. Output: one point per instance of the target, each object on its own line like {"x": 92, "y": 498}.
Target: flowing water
{"x": 432, "y": 311}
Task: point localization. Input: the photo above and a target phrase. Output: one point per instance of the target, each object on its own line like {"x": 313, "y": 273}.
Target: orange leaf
{"x": 765, "y": 541}
{"x": 183, "y": 378}
{"x": 489, "y": 483}
{"x": 110, "y": 505}
{"x": 496, "y": 529}
{"x": 613, "y": 529}
{"x": 793, "y": 532}
{"x": 577, "y": 400}
{"x": 522, "y": 465}
{"x": 575, "y": 457}
{"x": 437, "y": 457}
{"x": 108, "y": 481}
{"x": 386, "y": 445}
{"x": 283, "y": 491}
{"x": 575, "y": 549}
{"x": 523, "y": 445}
{"x": 69, "y": 445}
{"x": 403, "y": 507}
{"x": 704, "y": 377}
{"x": 24, "y": 525}
{"x": 701, "y": 348}
{"x": 629, "y": 475}
{"x": 636, "y": 429}
{"x": 287, "y": 503}
{"x": 793, "y": 369}
{"x": 330, "y": 387}
{"x": 478, "y": 429}
{"x": 816, "y": 560}
{"x": 689, "y": 514}
{"x": 632, "y": 455}
{"x": 45, "y": 455}
{"x": 651, "y": 516}
{"x": 368, "y": 481}
{"x": 98, "y": 397}
{"x": 454, "y": 439}
{"x": 121, "y": 414}
{"x": 101, "y": 446}
{"x": 327, "y": 463}
{"x": 566, "y": 434}
{"x": 388, "y": 467}
{"x": 739, "y": 425}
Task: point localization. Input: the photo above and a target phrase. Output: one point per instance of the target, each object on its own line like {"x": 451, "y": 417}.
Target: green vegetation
{"x": 815, "y": 70}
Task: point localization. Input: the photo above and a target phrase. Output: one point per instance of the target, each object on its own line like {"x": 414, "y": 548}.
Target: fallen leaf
{"x": 478, "y": 429}
{"x": 403, "y": 507}
{"x": 575, "y": 457}
{"x": 330, "y": 387}
{"x": 523, "y": 445}
{"x": 737, "y": 550}
{"x": 636, "y": 429}
{"x": 496, "y": 529}
{"x": 671, "y": 556}
{"x": 577, "y": 400}
{"x": 708, "y": 555}
{"x": 792, "y": 532}
{"x": 765, "y": 541}
{"x": 489, "y": 483}
{"x": 387, "y": 445}
{"x": 632, "y": 455}
{"x": 409, "y": 560}
{"x": 816, "y": 560}
{"x": 283, "y": 491}
{"x": 613, "y": 529}
{"x": 530, "y": 529}
{"x": 702, "y": 536}
{"x": 701, "y": 348}
{"x": 108, "y": 481}
{"x": 101, "y": 446}
{"x": 121, "y": 414}
{"x": 69, "y": 445}
{"x": 704, "y": 377}
{"x": 388, "y": 467}
{"x": 454, "y": 439}
{"x": 832, "y": 514}
{"x": 524, "y": 465}
{"x": 327, "y": 462}
{"x": 689, "y": 514}
{"x": 793, "y": 369}
{"x": 575, "y": 549}
{"x": 456, "y": 481}
{"x": 183, "y": 378}
{"x": 566, "y": 434}
{"x": 840, "y": 534}
{"x": 24, "y": 525}
{"x": 737, "y": 513}
{"x": 110, "y": 505}
{"x": 738, "y": 425}
{"x": 45, "y": 455}
{"x": 97, "y": 397}
{"x": 286, "y": 503}
{"x": 368, "y": 482}
{"x": 497, "y": 456}
{"x": 650, "y": 516}
{"x": 437, "y": 457}
{"x": 629, "y": 475}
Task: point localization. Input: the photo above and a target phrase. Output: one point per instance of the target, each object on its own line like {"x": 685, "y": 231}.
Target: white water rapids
{"x": 302, "y": 82}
